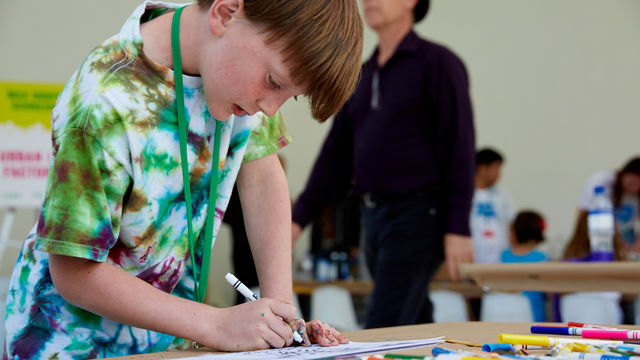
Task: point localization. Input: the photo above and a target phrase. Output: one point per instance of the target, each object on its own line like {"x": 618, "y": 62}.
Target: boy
{"x": 109, "y": 267}
{"x": 492, "y": 209}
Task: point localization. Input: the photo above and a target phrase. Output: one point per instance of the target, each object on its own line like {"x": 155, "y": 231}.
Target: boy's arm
{"x": 266, "y": 205}
{"x": 115, "y": 294}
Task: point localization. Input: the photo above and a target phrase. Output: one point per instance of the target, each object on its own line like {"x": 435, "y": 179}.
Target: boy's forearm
{"x": 117, "y": 295}
{"x": 266, "y": 206}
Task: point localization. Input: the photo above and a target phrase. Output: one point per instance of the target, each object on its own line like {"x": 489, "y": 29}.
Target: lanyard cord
{"x": 199, "y": 282}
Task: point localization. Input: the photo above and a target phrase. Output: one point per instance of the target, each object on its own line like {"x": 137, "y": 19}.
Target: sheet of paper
{"x": 319, "y": 352}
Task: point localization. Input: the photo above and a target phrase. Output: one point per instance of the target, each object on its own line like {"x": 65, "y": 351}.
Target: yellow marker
{"x": 584, "y": 348}
{"x": 536, "y": 340}
{"x": 548, "y": 342}
{"x": 562, "y": 351}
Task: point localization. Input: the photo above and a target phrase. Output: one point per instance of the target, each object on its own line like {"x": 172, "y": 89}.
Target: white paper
{"x": 319, "y": 352}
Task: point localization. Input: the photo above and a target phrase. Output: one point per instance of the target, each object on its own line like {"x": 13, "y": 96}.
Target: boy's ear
{"x": 221, "y": 13}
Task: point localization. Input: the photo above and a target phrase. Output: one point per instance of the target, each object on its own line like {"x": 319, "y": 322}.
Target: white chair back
{"x": 448, "y": 306}
{"x": 333, "y": 305}
{"x": 591, "y": 307}
{"x": 505, "y": 307}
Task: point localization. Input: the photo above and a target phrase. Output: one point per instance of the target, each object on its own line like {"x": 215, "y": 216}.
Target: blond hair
{"x": 321, "y": 41}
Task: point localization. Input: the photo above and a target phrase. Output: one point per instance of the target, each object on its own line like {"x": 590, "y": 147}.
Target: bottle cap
{"x": 602, "y": 256}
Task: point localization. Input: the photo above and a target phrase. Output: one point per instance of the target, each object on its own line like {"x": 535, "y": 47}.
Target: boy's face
{"x": 490, "y": 173}
{"x": 630, "y": 183}
{"x": 241, "y": 74}
{"x": 381, "y": 13}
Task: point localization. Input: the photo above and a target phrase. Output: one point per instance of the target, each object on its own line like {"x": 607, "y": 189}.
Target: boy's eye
{"x": 273, "y": 83}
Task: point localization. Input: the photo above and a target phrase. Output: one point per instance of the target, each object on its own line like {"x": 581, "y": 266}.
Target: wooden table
{"x": 561, "y": 277}
{"x": 355, "y": 287}
{"x": 474, "y": 332}
{"x": 441, "y": 280}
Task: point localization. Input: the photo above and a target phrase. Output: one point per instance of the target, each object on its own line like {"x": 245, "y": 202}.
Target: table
{"x": 441, "y": 281}
{"x": 355, "y": 287}
{"x": 475, "y": 332}
{"x": 561, "y": 277}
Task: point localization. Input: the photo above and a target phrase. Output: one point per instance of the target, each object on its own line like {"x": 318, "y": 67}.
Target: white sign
{"x": 25, "y": 142}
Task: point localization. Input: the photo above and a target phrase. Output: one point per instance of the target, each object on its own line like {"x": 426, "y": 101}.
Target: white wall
{"x": 555, "y": 85}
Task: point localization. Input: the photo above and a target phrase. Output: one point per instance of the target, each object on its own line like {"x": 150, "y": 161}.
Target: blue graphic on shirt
{"x": 625, "y": 215}
{"x": 486, "y": 209}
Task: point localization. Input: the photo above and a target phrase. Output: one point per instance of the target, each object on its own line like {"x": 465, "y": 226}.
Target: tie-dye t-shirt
{"x": 115, "y": 194}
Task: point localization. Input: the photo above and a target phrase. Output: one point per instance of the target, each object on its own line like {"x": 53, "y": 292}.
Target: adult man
{"x": 405, "y": 142}
{"x": 492, "y": 210}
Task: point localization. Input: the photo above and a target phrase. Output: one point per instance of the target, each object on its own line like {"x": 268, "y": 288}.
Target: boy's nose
{"x": 270, "y": 105}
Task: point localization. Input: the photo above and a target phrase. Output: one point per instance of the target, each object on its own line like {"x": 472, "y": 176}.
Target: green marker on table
{"x": 404, "y": 356}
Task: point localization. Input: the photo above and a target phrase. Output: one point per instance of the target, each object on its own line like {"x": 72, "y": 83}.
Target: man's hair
{"x": 321, "y": 42}
{"x": 420, "y": 11}
{"x": 488, "y": 156}
{"x": 529, "y": 225}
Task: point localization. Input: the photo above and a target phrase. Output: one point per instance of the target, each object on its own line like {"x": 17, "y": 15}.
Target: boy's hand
{"x": 317, "y": 332}
{"x": 252, "y": 326}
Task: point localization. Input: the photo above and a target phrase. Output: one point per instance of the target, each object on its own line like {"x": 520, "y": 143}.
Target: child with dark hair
{"x": 492, "y": 209}
{"x": 526, "y": 233}
{"x": 623, "y": 188}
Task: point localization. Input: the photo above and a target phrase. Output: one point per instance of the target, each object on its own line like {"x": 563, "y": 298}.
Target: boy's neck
{"x": 156, "y": 38}
{"x": 480, "y": 184}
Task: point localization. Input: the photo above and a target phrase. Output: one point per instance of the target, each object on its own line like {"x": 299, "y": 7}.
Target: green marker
{"x": 404, "y": 356}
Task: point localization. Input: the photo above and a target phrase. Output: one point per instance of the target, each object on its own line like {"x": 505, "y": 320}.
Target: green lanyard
{"x": 199, "y": 282}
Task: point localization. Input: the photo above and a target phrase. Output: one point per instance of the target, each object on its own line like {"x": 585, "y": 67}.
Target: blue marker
{"x": 439, "y": 351}
{"x": 498, "y": 347}
{"x": 556, "y": 330}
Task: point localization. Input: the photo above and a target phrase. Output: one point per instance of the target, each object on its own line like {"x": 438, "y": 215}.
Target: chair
{"x": 296, "y": 303}
{"x": 334, "y": 305}
{"x": 448, "y": 306}
{"x": 505, "y": 307}
{"x": 591, "y": 307}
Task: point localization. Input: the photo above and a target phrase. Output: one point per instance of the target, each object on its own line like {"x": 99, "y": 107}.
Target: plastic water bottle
{"x": 601, "y": 226}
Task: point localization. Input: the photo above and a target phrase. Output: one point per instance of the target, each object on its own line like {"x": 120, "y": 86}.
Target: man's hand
{"x": 296, "y": 229}
{"x": 458, "y": 249}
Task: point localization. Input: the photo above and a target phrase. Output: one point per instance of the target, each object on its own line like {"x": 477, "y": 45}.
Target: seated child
{"x": 525, "y": 234}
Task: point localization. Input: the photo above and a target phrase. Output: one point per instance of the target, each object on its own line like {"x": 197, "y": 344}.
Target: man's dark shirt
{"x": 414, "y": 131}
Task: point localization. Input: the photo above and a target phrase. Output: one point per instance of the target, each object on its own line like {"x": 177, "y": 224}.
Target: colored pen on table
{"x": 591, "y": 356}
{"x": 459, "y": 356}
{"x": 244, "y": 290}
{"x": 548, "y": 341}
{"x": 588, "y": 333}
{"x": 405, "y": 356}
{"x": 556, "y": 330}
{"x": 514, "y": 348}
{"x": 610, "y": 334}
{"x": 632, "y": 348}
{"x": 587, "y": 326}
{"x": 438, "y": 351}
{"x": 578, "y": 347}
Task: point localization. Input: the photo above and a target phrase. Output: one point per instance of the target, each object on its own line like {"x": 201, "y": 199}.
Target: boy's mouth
{"x": 238, "y": 111}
